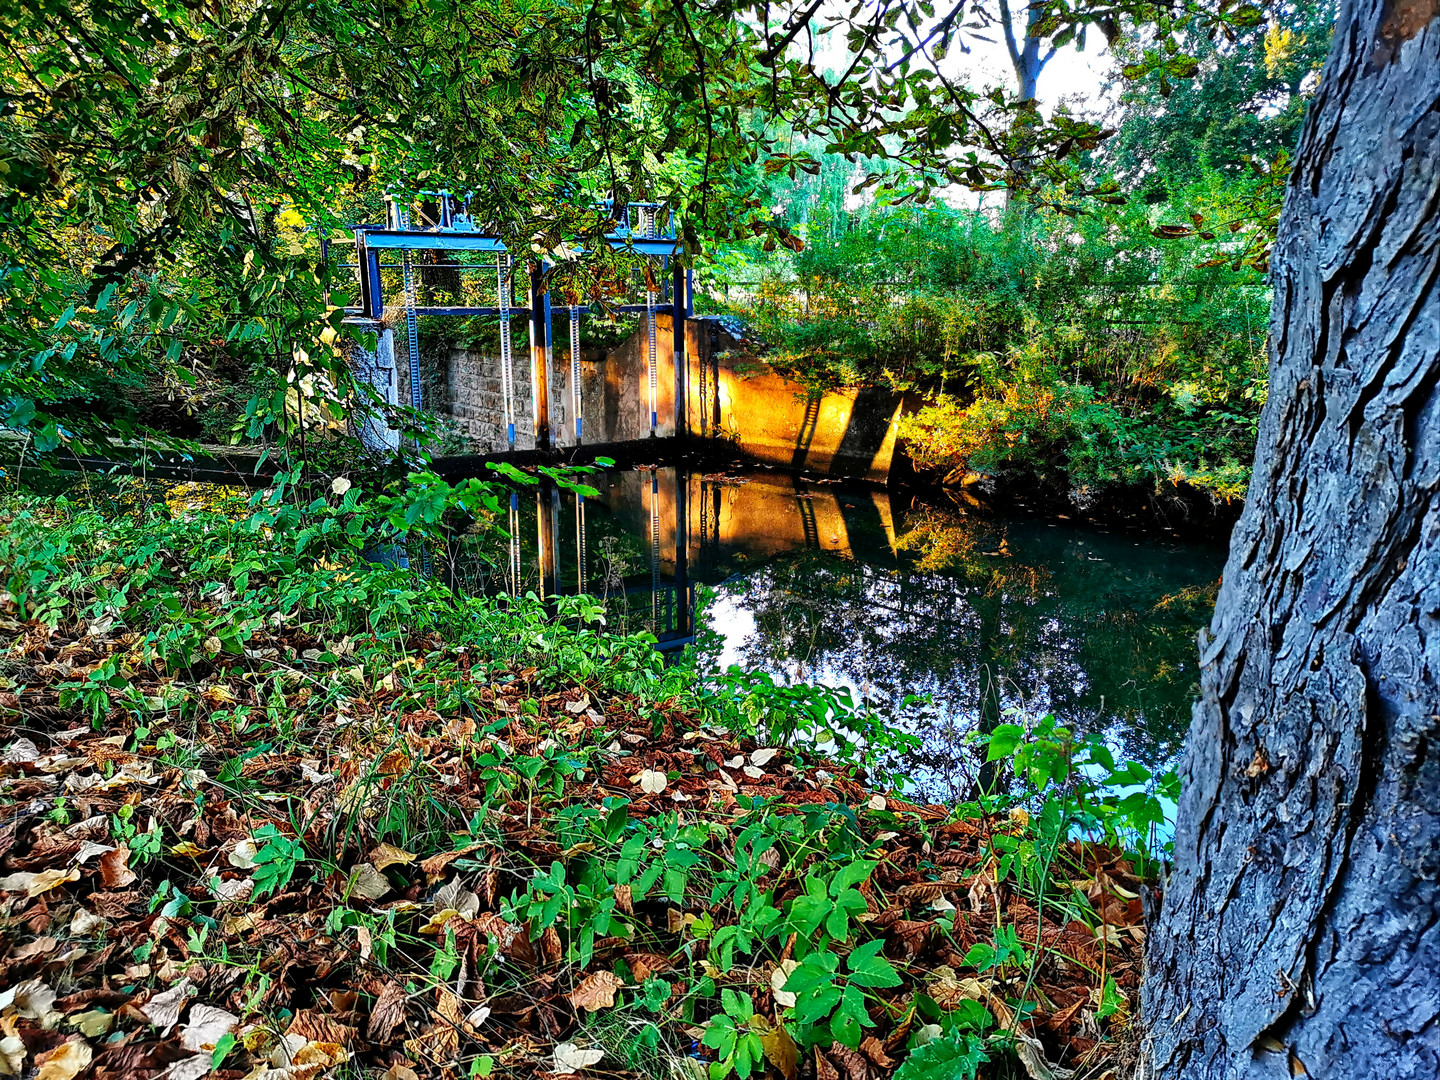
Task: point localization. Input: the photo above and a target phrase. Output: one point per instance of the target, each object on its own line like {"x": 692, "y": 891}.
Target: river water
{"x": 991, "y": 617}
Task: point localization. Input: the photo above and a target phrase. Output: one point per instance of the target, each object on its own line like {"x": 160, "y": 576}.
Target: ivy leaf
{"x": 981, "y": 956}
{"x": 968, "y": 1014}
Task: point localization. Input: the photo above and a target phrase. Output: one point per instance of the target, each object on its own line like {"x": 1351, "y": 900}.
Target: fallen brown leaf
{"x": 871, "y": 1047}
{"x": 435, "y": 865}
{"x": 163, "y": 1010}
{"x": 596, "y": 992}
{"x": 780, "y": 1049}
{"x": 853, "y": 1064}
{"x": 46, "y": 880}
{"x": 389, "y": 855}
{"x": 64, "y": 1062}
{"x": 115, "y": 872}
{"x": 388, "y": 1013}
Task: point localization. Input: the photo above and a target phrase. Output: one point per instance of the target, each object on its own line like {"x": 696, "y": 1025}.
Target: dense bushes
{"x": 1083, "y": 350}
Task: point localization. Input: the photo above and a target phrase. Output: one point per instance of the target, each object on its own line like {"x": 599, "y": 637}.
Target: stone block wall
{"x": 477, "y": 403}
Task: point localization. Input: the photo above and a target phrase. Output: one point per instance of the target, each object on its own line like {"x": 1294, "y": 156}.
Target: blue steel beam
{"x": 643, "y": 247}
{"x": 514, "y": 311}
{"x": 430, "y": 240}
{"x": 437, "y": 240}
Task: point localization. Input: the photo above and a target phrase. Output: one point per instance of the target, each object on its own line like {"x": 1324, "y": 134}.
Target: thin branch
{"x": 704, "y": 101}
{"x": 769, "y": 56}
{"x": 1009, "y": 25}
{"x": 942, "y": 27}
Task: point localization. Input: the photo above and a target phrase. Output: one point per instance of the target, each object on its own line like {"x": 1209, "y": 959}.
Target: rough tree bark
{"x": 1300, "y": 932}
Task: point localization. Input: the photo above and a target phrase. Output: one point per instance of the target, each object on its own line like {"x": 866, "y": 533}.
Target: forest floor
{"x": 318, "y": 857}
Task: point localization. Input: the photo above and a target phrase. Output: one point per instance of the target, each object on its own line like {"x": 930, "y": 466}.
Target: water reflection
{"x": 853, "y": 586}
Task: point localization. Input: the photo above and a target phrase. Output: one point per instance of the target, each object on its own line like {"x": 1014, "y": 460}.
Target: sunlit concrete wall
{"x": 734, "y": 395}
{"x": 731, "y": 395}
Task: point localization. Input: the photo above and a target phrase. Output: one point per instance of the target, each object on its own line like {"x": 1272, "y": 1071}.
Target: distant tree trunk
{"x": 1300, "y": 933}
{"x": 1027, "y": 56}
{"x": 1028, "y": 59}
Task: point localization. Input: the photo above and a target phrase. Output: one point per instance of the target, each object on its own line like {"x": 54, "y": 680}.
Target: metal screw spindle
{"x": 507, "y": 372}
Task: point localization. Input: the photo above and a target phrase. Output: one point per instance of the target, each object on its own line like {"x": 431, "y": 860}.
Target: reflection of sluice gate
{"x": 642, "y": 544}
{"x": 666, "y": 599}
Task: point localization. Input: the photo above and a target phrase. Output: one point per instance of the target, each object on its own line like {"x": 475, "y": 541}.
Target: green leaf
{"x": 849, "y": 876}
{"x": 957, "y": 1056}
{"x": 223, "y": 1046}
{"x": 851, "y": 1018}
{"x": 813, "y": 1007}
{"x": 815, "y": 971}
{"x": 1111, "y": 1000}
{"x": 720, "y": 1036}
{"x": 867, "y": 968}
{"x": 969, "y": 1014}
{"x": 1003, "y": 741}
{"x": 980, "y": 956}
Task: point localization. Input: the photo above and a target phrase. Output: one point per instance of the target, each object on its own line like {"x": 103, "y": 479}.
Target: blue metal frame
{"x": 430, "y": 240}
{"x": 456, "y": 232}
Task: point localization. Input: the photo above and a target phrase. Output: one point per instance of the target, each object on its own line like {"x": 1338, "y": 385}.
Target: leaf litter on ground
{"x": 377, "y": 888}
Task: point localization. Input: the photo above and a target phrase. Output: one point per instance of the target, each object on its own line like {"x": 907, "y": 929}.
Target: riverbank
{"x": 1174, "y": 508}
{"x": 275, "y": 811}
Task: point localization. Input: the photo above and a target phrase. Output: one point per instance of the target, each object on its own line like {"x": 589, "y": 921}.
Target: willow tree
{"x": 1300, "y": 933}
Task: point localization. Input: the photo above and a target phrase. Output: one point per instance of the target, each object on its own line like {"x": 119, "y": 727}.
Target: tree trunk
{"x": 1025, "y": 47}
{"x": 1300, "y": 932}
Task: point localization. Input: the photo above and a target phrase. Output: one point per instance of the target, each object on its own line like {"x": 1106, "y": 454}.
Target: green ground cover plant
{"x": 274, "y": 810}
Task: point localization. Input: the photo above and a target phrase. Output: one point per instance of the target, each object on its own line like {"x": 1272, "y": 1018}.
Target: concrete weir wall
{"x": 732, "y": 395}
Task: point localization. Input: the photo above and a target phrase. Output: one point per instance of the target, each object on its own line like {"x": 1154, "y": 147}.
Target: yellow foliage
{"x": 1280, "y": 47}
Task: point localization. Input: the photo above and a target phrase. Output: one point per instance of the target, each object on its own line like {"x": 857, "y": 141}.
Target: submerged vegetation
{"x": 345, "y": 817}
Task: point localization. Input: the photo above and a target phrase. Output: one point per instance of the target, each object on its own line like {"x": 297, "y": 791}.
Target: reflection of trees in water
{"x": 477, "y": 559}
{"x": 985, "y": 617}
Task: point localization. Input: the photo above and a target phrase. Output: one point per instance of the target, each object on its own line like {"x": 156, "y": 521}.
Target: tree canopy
{"x": 166, "y": 168}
